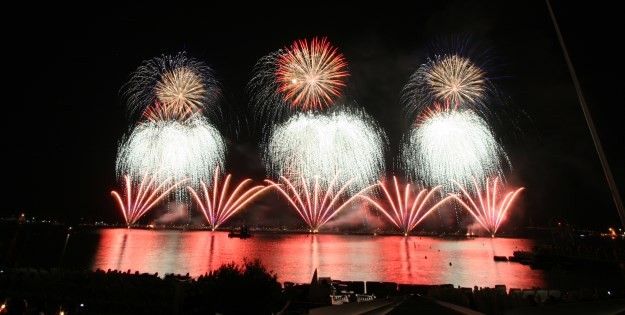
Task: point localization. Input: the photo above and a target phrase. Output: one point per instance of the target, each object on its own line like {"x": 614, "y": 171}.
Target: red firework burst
{"x": 311, "y": 74}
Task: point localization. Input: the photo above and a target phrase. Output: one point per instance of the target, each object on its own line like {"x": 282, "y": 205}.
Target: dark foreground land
{"x": 250, "y": 289}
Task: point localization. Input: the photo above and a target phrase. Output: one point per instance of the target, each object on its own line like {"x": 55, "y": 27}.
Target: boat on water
{"x": 243, "y": 232}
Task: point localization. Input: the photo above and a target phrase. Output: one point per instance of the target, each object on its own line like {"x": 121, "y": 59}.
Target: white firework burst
{"x": 172, "y": 150}
{"x": 322, "y": 145}
{"x": 452, "y": 145}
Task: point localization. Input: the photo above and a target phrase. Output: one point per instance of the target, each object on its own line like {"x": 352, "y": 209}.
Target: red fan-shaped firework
{"x": 222, "y": 203}
{"x": 316, "y": 203}
{"x": 489, "y": 206}
{"x": 138, "y": 200}
{"x": 404, "y": 207}
{"x": 310, "y": 74}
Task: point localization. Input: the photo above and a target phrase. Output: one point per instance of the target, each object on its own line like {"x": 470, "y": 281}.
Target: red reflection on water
{"x": 294, "y": 257}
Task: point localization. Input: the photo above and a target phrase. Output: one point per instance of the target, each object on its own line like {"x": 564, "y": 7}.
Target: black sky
{"x": 63, "y": 114}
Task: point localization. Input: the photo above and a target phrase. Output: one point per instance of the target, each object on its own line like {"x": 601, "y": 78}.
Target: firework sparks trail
{"x": 171, "y": 87}
{"x": 222, "y": 203}
{"x": 318, "y": 203}
{"x": 268, "y": 104}
{"x": 311, "y": 73}
{"x": 448, "y": 144}
{"x": 446, "y": 79}
{"x": 489, "y": 207}
{"x": 403, "y": 207}
{"x": 311, "y": 145}
{"x": 172, "y": 149}
{"x": 138, "y": 201}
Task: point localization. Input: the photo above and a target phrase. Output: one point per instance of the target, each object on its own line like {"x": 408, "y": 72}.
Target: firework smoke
{"x": 488, "y": 206}
{"x": 452, "y": 145}
{"x": 172, "y": 149}
{"x": 404, "y": 208}
{"x": 222, "y": 203}
{"x": 344, "y": 143}
{"x": 171, "y": 87}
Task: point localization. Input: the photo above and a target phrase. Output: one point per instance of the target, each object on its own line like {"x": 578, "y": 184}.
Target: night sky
{"x": 64, "y": 116}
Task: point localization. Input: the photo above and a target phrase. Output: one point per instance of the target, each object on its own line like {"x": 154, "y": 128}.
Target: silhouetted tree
{"x": 234, "y": 289}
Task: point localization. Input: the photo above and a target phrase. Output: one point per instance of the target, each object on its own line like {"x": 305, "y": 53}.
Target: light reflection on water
{"x": 294, "y": 257}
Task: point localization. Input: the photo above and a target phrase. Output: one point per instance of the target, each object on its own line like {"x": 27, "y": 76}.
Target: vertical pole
{"x": 616, "y": 197}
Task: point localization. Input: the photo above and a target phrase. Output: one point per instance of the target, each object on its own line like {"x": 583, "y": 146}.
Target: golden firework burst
{"x": 180, "y": 92}
{"x": 456, "y": 79}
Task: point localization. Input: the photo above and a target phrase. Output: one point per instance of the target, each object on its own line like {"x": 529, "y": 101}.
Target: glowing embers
{"x": 316, "y": 203}
{"x": 222, "y": 203}
{"x": 406, "y": 206}
{"x": 488, "y": 206}
{"x": 310, "y": 74}
{"x": 141, "y": 198}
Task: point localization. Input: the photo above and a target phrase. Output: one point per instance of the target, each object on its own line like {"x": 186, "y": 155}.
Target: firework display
{"x": 490, "y": 205}
{"x": 319, "y": 202}
{"x": 173, "y": 140}
{"x": 320, "y": 153}
{"x": 139, "y": 199}
{"x": 405, "y": 208}
{"x": 344, "y": 143}
{"x": 222, "y": 203}
{"x": 452, "y": 145}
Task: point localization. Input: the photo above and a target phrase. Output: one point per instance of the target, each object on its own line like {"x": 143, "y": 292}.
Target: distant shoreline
{"x": 533, "y": 233}
{"x": 307, "y": 232}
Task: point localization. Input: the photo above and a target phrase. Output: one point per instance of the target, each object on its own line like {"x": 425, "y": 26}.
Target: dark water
{"x": 294, "y": 257}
